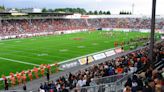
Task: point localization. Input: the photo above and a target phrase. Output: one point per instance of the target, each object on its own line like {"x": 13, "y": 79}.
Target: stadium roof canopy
{"x": 16, "y": 15}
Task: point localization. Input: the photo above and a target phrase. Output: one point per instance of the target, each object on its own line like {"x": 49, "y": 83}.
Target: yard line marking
{"x": 106, "y": 42}
{"x": 94, "y": 43}
{"x": 63, "y": 50}
{"x": 19, "y": 61}
{"x": 81, "y": 47}
{"x": 17, "y": 41}
{"x": 42, "y": 54}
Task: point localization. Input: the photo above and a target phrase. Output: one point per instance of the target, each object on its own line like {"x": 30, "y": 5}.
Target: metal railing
{"x": 116, "y": 86}
{"x": 13, "y": 91}
{"x": 109, "y": 79}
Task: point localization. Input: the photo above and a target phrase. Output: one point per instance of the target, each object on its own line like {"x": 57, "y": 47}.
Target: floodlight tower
{"x": 0, "y": 22}
{"x": 133, "y": 8}
{"x": 152, "y": 31}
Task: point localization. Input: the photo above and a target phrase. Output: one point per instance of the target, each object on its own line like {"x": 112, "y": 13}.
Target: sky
{"x": 115, "y": 6}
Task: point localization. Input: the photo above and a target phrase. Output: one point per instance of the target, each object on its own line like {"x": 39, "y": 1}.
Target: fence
{"x": 108, "y": 79}
{"x": 116, "y": 86}
{"x": 13, "y": 91}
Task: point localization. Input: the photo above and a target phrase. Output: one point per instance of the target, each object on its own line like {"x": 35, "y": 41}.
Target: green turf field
{"x": 24, "y": 54}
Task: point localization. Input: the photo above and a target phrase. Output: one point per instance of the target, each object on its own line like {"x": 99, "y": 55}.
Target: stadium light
{"x": 152, "y": 31}
{"x": 133, "y": 9}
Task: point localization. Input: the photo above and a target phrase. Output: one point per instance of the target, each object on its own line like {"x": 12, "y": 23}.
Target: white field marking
{"x": 106, "y": 41}
{"x": 94, "y": 43}
{"x": 81, "y": 47}
{"x": 25, "y": 50}
{"x": 42, "y": 51}
{"x": 68, "y": 60}
{"x": 33, "y": 39}
{"x": 45, "y": 38}
{"x": 17, "y": 61}
{"x": 29, "y": 53}
{"x": 45, "y": 49}
{"x": 13, "y": 51}
{"x": 42, "y": 54}
{"x": 63, "y": 50}
{"x": 17, "y": 51}
{"x": 17, "y": 41}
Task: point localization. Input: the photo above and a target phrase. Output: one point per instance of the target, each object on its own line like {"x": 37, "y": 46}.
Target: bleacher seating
{"x": 22, "y": 26}
{"x": 130, "y": 63}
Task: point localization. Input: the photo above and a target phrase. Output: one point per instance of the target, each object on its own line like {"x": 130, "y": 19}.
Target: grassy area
{"x": 23, "y": 54}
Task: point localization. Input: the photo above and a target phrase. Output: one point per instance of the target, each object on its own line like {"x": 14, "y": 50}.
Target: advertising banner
{"x": 110, "y": 53}
{"x": 99, "y": 56}
{"x": 119, "y": 50}
{"x": 70, "y": 64}
{"x": 84, "y": 60}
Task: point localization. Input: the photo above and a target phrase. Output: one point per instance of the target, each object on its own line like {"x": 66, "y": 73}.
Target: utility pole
{"x": 152, "y": 31}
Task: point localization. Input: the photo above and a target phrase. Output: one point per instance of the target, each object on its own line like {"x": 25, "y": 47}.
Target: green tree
{"x": 71, "y": 10}
{"x": 95, "y": 12}
{"x": 122, "y": 12}
{"x": 2, "y": 8}
{"x": 130, "y": 13}
{"x": 50, "y": 10}
{"x": 100, "y": 12}
{"x": 90, "y": 13}
{"x": 108, "y": 13}
{"x": 44, "y": 10}
{"x": 104, "y": 13}
{"x": 59, "y": 10}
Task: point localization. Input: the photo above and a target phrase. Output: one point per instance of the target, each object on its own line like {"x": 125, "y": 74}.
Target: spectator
{"x": 128, "y": 83}
{"x": 24, "y": 87}
{"x": 48, "y": 75}
{"x": 134, "y": 83}
{"x": 46, "y": 88}
{"x": 41, "y": 86}
{"x": 6, "y": 84}
{"x": 149, "y": 87}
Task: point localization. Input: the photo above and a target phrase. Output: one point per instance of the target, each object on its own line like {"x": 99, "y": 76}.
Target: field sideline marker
{"x": 19, "y": 61}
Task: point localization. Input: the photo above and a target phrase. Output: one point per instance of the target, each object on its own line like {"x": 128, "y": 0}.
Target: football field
{"x": 23, "y": 54}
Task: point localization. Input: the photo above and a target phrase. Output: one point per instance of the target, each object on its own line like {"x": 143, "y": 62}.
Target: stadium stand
{"x": 134, "y": 62}
{"x": 27, "y": 26}
{"x": 150, "y": 80}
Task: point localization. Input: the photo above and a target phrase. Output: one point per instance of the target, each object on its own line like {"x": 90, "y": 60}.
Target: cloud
{"x": 98, "y": 0}
{"x": 115, "y": 6}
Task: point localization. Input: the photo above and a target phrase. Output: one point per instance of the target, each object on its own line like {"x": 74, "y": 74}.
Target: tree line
{"x": 83, "y": 11}
{"x": 2, "y": 8}
{"x": 76, "y": 10}
{"x": 125, "y": 13}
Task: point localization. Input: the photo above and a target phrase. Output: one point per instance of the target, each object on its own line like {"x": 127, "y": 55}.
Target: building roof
{"x": 16, "y": 15}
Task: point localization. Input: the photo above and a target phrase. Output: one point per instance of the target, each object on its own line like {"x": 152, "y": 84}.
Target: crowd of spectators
{"x": 16, "y": 27}
{"x": 136, "y": 23}
{"x": 129, "y": 63}
{"x": 150, "y": 80}
{"x": 22, "y": 26}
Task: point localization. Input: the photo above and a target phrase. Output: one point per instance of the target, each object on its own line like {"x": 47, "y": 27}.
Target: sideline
{"x": 12, "y": 60}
